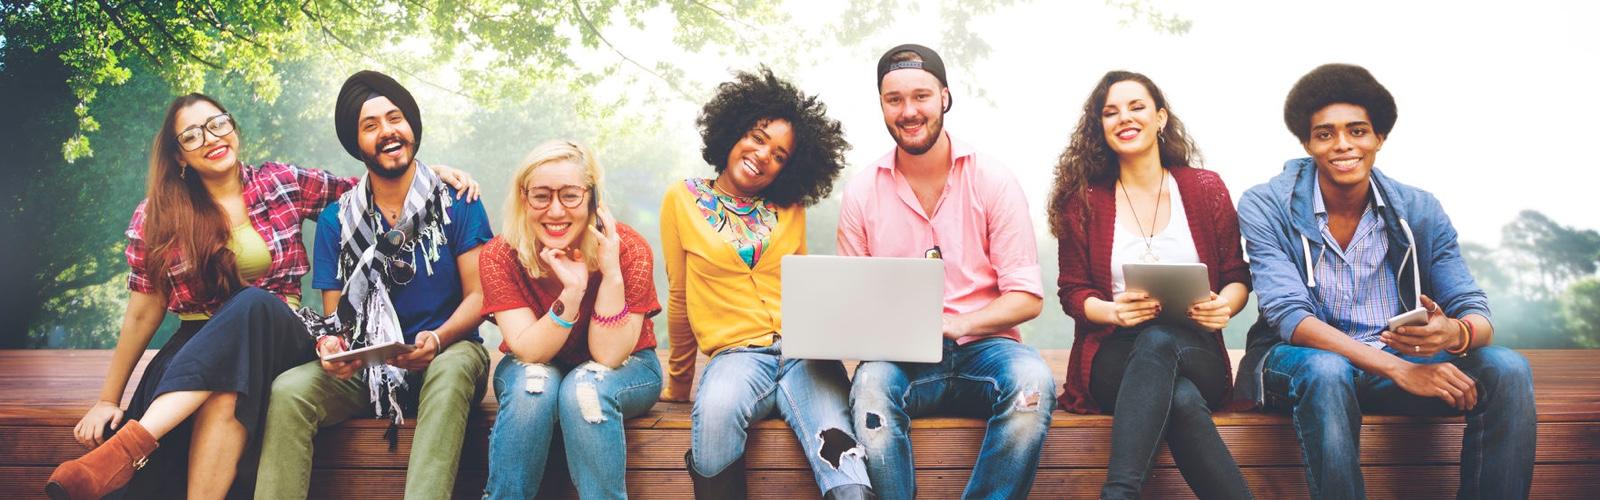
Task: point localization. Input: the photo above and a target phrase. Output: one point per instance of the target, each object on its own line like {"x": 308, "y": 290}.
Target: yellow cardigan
{"x": 714, "y": 299}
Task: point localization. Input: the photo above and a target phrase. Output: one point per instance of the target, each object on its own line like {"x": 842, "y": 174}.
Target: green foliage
{"x": 1545, "y": 256}
{"x": 1541, "y": 283}
{"x": 1581, "y": 309}
{"x": 504, "y": 48}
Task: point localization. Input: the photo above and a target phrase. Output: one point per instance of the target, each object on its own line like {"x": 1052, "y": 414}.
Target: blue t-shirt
{"x": 429, "y": 300}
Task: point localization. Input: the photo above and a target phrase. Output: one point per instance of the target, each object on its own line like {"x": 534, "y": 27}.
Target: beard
{"x": 376, "y": 166}
{"x": 934, "y": 126}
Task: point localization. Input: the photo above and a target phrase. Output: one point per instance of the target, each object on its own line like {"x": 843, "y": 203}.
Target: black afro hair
{"x": 1334, "y": 84}
{"x": 752, "y": 98}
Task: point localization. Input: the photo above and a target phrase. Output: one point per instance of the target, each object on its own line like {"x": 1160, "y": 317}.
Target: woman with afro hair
{"x": 774, "y": 151}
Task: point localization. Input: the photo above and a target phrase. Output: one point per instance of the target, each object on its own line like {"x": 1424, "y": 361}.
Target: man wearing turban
{"x": 396, "y": 259}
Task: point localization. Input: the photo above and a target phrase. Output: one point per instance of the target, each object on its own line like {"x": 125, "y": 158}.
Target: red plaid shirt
{"x": 277, "y": 197}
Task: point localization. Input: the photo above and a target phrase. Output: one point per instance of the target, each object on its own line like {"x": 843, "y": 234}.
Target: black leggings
{"x": 1161, "y": 382}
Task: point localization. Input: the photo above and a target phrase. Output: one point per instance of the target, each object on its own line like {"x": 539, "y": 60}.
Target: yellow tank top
{"x": 251, "y": 255}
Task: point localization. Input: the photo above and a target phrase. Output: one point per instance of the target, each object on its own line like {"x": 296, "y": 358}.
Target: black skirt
{"x": 252, "y": 338}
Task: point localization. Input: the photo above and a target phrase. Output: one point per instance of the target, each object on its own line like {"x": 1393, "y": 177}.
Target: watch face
{"x": 558, "y": 308}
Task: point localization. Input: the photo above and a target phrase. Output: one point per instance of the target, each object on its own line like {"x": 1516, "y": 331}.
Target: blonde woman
{"x": 570, "y": 288}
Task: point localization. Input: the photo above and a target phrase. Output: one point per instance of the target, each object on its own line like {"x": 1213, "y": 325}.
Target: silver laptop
{"x": 863, "y": 308}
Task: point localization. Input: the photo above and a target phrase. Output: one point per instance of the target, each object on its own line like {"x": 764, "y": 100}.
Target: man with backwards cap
{"x": 937, "y": 198}
{"x": 397, "y": 260}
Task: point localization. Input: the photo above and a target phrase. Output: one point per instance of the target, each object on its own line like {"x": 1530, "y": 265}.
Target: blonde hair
{"x": 521, "y": 230}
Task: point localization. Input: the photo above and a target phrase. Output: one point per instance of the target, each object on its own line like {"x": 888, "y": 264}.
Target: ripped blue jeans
{"x": 589, "y": 402}
{"x": 997, "y": 379}
{"x": 744, "y": 384}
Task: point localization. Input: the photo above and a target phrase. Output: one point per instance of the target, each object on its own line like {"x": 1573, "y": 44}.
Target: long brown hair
{"x": 184, "y": 229}
{"x": 1088, "y": 159}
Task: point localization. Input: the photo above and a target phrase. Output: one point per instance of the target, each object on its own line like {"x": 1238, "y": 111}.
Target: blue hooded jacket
{"x": 1281, "y": 234}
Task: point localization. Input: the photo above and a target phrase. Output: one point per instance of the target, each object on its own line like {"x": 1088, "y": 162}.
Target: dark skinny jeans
{"x": 1160, "y": 382}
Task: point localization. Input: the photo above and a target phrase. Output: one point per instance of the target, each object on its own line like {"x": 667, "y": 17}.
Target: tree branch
{"x": 590, "y": 25}
{"x": 323, "y": 27}
{"x": 725, "y": 17}
{"x": 53, "y": 288}
{"x": 179, "y": 46}
{"x": 127, "y": 34}
{"x": 216, "y": 22}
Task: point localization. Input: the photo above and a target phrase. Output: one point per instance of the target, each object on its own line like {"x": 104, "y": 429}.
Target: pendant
{"x": 1149, "y": 256}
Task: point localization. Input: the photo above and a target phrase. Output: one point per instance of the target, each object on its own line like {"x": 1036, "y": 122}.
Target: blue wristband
{"x": 560, "y": 322}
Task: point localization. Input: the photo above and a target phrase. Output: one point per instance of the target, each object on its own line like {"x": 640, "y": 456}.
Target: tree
{"x": 1558, "y": 254}
{"x": 1581, "y": 309}
{"x": 1541, "y": 283}
{"x": 86, "y": 78}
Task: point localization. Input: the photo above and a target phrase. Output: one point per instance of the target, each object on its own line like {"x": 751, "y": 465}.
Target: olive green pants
{"x": 305, "y": 398}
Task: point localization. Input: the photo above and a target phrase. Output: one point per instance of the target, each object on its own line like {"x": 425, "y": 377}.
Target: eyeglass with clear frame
{"x": 539, "y": 198}
{"x": 193, "y": 137}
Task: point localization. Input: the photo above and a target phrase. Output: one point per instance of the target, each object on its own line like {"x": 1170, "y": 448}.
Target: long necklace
{"x": 1149, "y": 250}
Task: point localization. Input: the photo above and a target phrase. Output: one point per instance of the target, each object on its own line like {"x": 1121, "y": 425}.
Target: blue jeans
{"x": 998, "y": 379}
{"x": 742, "y": 385}
{"x": 1327, "y": 395}
{"x": 590, "y": 402}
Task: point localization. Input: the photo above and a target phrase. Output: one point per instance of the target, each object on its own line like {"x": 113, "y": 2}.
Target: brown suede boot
{"x": 103, "y": 469}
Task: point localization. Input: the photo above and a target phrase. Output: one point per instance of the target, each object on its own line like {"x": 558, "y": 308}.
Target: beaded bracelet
{"x": 610, "y": 321}
{"x": 317, "y": 344}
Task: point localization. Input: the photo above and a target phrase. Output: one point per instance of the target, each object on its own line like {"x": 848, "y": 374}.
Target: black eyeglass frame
{"x": 205, "y": 128}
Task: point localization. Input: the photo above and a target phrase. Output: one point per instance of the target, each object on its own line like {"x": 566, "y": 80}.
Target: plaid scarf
{"x": 366, "y": 314}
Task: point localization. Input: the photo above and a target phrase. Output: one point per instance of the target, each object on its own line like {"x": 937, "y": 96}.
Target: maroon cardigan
{"x": 1085, "y": 264}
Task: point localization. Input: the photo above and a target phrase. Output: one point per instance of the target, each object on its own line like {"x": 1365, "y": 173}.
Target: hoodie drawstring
{"x": 1311, "y": 278}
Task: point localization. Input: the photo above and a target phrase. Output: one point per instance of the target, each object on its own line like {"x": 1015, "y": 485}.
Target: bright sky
{"x": 1494, "y": 98}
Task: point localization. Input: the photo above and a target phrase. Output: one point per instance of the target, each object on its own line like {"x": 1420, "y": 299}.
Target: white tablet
{"x": 1175, "y": 286}
{"x": 372, "y": 354}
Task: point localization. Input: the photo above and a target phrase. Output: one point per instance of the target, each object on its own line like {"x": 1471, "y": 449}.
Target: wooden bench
{"x": 45, "y": 392}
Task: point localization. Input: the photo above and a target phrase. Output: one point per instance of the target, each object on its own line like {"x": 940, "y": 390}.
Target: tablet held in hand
{"x": 372, "y": 354}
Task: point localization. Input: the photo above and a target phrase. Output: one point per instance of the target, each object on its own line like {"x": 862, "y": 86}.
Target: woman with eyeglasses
{"x": 775, "y": 152}
{"x": 1127, "y": 190}
{"x": 571, "y": 290}
{"x": 218, "y": 243}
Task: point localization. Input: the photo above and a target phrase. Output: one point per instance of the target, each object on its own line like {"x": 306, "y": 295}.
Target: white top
{"x": 1173, "y": 245}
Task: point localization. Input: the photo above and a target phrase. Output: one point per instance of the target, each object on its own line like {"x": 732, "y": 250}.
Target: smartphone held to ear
{"x": 1414, "y": 317}
{"x": 594, "y": 211}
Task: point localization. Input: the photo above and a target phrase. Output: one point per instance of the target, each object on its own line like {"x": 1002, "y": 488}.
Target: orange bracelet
{"x": 1466, "y": 331}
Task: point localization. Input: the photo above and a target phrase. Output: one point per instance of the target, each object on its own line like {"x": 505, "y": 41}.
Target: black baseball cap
{"x": 930, "y": 62}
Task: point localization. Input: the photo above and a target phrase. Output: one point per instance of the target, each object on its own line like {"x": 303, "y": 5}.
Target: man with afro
{"x": 1367, "y": 305}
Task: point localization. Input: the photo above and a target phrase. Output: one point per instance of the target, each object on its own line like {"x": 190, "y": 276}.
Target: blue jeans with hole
{"x": 1327, "y": 396}
{"x": 587, "y": 403}
{"x": 997, "y": 379}
{"x": 744, "y": 384}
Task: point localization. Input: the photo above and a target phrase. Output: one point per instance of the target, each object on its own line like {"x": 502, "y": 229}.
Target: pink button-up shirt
{"x": 980, "y": 226}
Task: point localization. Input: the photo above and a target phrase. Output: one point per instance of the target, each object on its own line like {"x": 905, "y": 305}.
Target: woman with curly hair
{"x": 775, "y": 152}
{"x": 1127, "y": 191}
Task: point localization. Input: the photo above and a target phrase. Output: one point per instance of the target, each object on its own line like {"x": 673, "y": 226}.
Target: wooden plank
{"x": 55, "y": 387}
{"x": 1421, "y": 482}
{"x": 45, "y": 392}
{"x": 655, "y": 449}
